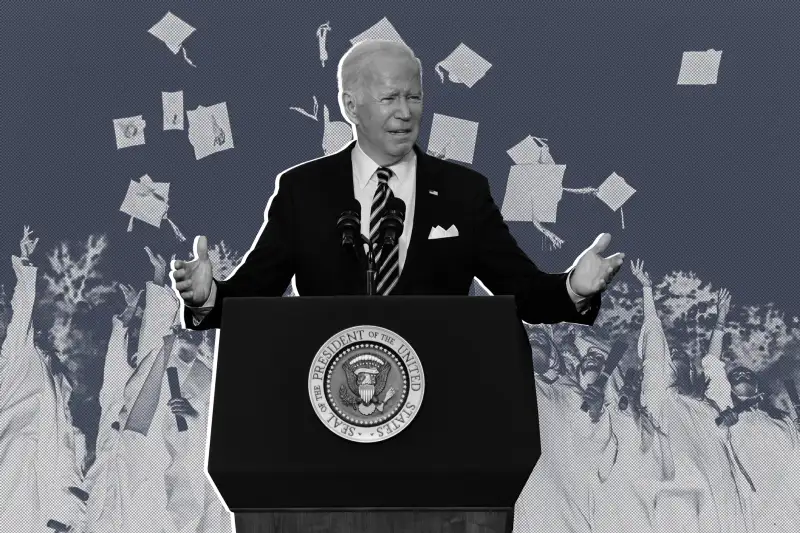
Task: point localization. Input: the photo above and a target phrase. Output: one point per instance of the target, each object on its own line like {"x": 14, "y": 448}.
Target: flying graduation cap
{"x": 381, "y": 30}
{"x": 148, "y": 201}
{"x": 614, "y": 192}
{"x": 535, "y": 187}
{"x": 463, "y": 65}
{"x": 173, "y": 31}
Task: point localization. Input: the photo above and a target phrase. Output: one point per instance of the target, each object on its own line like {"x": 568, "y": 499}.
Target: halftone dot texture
{"x": 463, "y": 65}
{"x": 172, "y": 30}
{"x": 383, "y": 30}
{"x": 615, "y": 191}
{"x": 453, "y": 138}
{"x": 700, "y": 68}
{"x": 210, "y": 129}
{"x": 533, "y": 192}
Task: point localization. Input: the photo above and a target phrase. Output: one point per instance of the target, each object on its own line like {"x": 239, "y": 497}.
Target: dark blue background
{"x": 717, "y": 185}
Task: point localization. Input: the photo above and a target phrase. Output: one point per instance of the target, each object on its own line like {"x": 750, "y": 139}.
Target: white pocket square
{"x": 440, "y": 233}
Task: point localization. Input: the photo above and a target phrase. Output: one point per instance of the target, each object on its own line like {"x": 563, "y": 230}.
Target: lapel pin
{"x": 435, "y": 193}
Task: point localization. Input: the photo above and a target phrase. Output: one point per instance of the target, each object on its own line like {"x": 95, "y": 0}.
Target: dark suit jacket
{"x": 300, "y": 239}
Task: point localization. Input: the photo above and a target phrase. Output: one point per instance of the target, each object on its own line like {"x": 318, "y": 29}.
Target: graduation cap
{"x": 172, "y": 104}
{"x": 614, "y": 192}
{"x": 129, "y": 131}
{"x": 172, "y": 31}
{"x": 209, "y": 129}
{"x": 531, "y": 150}
{"x": 322, "y": 34}
{"x": 532, "y": 195}
{"x": 700, "y": 68}
{"x": 463, "y": 65}
{"x": 148, "y": 201}
{"x": 452, "y": 138}
{"x": 382, "y": 31}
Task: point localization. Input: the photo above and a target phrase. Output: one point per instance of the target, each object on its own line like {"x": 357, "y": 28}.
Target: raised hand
{"x": 159, "y": 266}
{"x": 131, "y": 301}
{"x": 26, "y": 245}
{"x": 723, "y": 305}
{"x": 192, "y": 279}
{"x": 637, "y": 267}
{"x": 593, "y": 273}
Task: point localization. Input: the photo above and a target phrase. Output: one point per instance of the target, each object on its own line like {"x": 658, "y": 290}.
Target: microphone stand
{"x": 371, "y": 268}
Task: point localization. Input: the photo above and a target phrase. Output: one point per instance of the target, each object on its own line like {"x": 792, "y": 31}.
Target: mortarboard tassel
{"x": 178, "y": 233}
{"x": 438, "y": 70}
{"x": 187, "y": 57}
{"x": 555, "y": 240}
{"x": 130, "y": 225}
{"x": 622, "y": 214}
{"x": 306, "y": 113}
{"x": 322, "y": 34}
{"x": 584, "y": 190}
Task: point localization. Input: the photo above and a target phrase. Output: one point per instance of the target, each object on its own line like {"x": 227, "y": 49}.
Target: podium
{"x": 463, "y": 459}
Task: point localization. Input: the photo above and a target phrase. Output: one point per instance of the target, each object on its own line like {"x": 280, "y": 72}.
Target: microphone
{"x": 349, "y": 224}
{"x": 391, "y": 225}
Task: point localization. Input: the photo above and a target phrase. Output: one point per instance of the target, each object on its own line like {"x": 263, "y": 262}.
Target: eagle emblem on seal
{"x": 366, "y": 376}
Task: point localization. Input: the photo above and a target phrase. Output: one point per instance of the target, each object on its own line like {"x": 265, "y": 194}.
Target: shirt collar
{"x": 364, "y": 167}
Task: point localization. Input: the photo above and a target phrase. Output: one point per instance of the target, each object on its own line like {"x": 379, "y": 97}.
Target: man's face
{"x": 388, "y": 112}
{"x": 591, "y": 366}
{"x": 743, "y": 382}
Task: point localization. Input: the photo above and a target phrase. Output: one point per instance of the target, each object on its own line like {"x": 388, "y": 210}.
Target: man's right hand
{"x": 193, "y": 279}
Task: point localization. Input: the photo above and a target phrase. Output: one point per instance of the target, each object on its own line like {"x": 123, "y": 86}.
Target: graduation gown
{"x": 129, "y": 494}
{"x": 769, "y": 449}
{"x": 37, "y": 438}
{"x": 701, "y": 489}
{"x": 577, "y": 456}
{"x": 192, "y": 502}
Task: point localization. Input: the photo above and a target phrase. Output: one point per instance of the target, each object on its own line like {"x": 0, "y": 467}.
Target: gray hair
{"x": 350, "y": 75}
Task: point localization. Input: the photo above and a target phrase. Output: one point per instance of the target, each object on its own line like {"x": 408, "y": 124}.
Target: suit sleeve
{"x": 501, "y": 265}
{"x": 268, "y": 267}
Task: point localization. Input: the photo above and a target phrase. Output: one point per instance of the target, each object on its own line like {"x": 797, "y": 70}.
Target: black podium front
{"x": 470, "y": 448}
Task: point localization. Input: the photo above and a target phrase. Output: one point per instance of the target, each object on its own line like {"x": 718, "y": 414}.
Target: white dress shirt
{"x": 403, "y": 184}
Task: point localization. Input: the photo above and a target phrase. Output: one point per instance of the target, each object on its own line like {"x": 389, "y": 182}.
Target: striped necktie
{"x": 388, "y": 261}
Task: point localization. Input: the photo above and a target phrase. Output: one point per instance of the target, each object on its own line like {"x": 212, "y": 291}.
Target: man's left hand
{"x": 593, "y": 273}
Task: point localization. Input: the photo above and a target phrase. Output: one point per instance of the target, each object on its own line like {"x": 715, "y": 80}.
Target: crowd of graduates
{"x": 670, "y": 444}
{"x": 138, "y": 463}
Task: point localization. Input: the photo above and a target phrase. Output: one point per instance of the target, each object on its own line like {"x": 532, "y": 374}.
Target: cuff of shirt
{"x": 199, "y": 313}
{"x": 581, "y": 302}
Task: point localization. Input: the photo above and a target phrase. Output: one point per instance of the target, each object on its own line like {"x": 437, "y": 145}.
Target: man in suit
{"x": 381, "y": 95}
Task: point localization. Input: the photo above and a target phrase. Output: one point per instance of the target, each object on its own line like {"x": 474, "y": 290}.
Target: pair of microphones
{"x": 390, "y": 228}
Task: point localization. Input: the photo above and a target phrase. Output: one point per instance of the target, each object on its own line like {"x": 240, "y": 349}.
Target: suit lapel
{"x": 424, "y": 209}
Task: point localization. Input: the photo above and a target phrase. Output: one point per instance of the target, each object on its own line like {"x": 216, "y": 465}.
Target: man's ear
{"x": 349, "y": 107}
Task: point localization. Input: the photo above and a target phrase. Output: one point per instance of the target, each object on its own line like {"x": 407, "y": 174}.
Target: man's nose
{"x": 403, "y": 110}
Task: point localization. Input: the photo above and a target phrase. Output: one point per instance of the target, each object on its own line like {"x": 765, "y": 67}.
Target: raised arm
{"x": 19, "y": 333}
{"x": 653, "y": 349}
{"x": 719, "y": 388}
{"x": 160, "y": 313}
{"x": 116, "y": 369}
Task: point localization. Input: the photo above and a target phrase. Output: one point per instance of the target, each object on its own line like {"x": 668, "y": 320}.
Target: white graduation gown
{"x": 37, "y": 438}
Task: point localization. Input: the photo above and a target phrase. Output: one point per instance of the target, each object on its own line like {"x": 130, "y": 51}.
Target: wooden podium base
{"x": 375, "y": 521}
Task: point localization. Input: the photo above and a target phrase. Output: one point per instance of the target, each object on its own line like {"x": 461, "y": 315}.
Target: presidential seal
{"x": 366, "y": 384}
